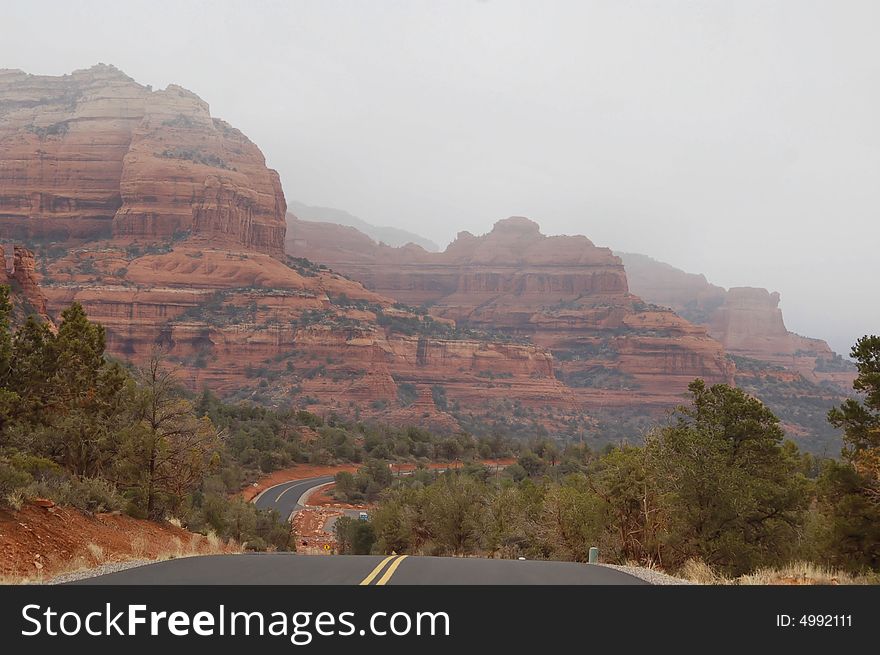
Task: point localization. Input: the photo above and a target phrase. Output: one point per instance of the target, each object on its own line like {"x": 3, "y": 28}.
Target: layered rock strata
{"x": 94, "y": 154}
{"x": 561, "y": 292}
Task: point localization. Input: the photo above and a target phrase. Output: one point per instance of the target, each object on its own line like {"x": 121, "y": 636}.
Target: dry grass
{"x": 139, "y": 547}
{"x": 215, "y": 544}
{"x": 15, "y": 499}
{"x": 97, "y": 553}
{"x": 698, "y": 571}
{"x": 794, "y": 573}
{"x": 802, "y": 573}
{"x": 86, "y": 558}
{"x": 649, "y": 564}
{"x": 199, "y": 545}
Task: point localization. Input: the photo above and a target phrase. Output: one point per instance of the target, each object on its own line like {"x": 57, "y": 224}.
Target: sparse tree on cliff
{"x": 8, "y": 398}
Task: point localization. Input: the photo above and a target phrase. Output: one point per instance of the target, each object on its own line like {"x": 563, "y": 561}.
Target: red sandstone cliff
{"x": 93, "y": 153}
{"x": 26, "y": 295}
{"x": 561, "y": 292}
{"x": 750, "y": 324}
{"x": 167, "y": 226}
{"x": 250, "y": 326}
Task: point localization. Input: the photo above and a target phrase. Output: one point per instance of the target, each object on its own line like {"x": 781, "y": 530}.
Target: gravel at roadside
{"x": 649, "y": 575}
{"x": 110, "y": 567}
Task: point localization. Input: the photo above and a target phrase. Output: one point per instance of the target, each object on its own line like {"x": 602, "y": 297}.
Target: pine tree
{"x": 8, "y": 398}
{"x": 851, "y": 488}
{"x": 31, "y": 369}
{"x": 731, "y": 491}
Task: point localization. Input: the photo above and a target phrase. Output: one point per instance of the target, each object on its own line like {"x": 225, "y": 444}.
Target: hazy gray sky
{"x": 737, "y": 139}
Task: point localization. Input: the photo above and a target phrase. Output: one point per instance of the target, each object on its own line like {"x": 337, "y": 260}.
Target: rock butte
{"x": 25, "y": 294}
{"x": 94, "y": 154}
{"x": 562, "y": 293}
{"x": 746, "y": 320}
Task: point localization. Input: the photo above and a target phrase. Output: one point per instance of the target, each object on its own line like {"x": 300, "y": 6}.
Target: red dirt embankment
{"x": 42, "y": 542}
{"x": 323, "y": 497}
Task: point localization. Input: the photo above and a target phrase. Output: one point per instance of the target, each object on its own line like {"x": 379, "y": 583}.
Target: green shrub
{"x": 12, "y": 480}
{"x": 407, "y": 393}
{"x": 354, "y": 537}
{"x": 438, "y": 393}
{"x": 87, "y": 494}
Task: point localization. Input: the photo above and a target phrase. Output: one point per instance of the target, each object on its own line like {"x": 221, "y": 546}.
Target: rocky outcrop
{"x": 750, "y": 324}
{"x": 94, "y": 154}
{"x": 747, "y": 320}
{"x": 26, "y": 295}
{"x": 750, "y": 319}
{"x": 561, "y": 293}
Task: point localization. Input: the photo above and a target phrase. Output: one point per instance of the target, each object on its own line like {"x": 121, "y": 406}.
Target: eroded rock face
{"x": 750, "y": 324}
{"x": 562, "y": 293}
{"x": 747, "y": 320}
{"x": 94, "y": 154}
{"x": 25, "y": 293}
{"x": 751, "y": 318}
{"x": 249, "y": 326}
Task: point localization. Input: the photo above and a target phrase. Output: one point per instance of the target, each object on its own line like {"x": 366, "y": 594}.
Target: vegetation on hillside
{"x": 717, "y": 484}
{"x": 84, "y": 431}
{"x": 800, "y": 404}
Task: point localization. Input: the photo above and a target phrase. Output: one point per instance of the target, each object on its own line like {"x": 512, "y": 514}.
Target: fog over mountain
{"x": 393, "y": 236}
{"x": 739, "y": 140}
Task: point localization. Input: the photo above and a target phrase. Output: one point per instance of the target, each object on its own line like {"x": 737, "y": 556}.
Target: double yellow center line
{"x": 392, "y": 561}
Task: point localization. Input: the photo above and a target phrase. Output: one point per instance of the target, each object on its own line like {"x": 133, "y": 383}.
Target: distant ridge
{"x": 390, "y": 235}
{"x": 748, "y": 321}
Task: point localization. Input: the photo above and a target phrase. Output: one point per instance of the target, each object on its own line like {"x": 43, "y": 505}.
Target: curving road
{"x": 285, "y": 497}
{"x": 293, "y": 569}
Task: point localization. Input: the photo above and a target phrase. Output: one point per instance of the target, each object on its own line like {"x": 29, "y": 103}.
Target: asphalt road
{"x": 285, "y": 497}
{"x": 293, "y": 569}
